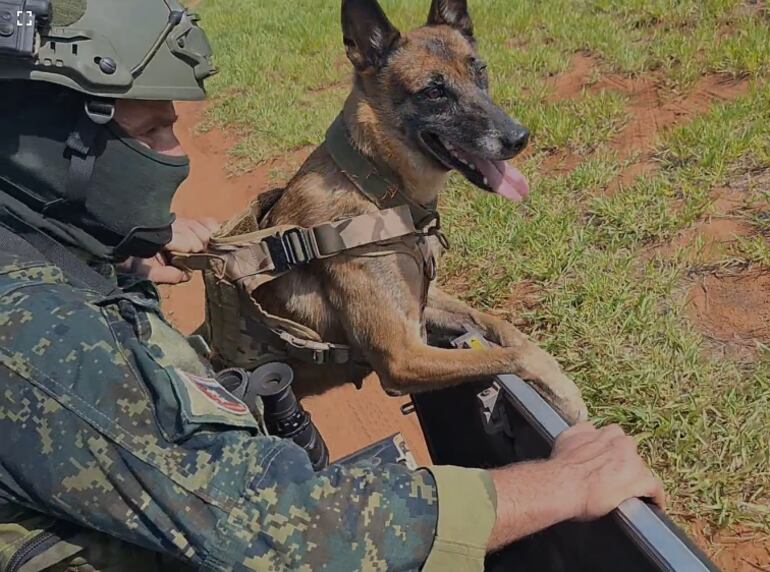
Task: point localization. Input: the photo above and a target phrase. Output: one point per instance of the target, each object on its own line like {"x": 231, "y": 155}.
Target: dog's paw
{"x": 572, "y": 408}
{"x": 560, "y": 391}
{"x": 564, "y": 396}
{"x": 502, "y": 333}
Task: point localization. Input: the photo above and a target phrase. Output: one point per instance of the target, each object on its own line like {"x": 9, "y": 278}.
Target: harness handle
{"x": 434, "y": 229}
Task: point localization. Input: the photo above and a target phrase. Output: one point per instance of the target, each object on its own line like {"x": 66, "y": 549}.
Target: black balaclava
{"x": 125, "y": 208}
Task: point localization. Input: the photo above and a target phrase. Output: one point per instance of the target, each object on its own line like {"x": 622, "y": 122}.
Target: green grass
{"x": 613, "y": 315}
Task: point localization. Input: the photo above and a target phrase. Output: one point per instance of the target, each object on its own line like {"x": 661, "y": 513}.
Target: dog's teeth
{"x": 486, "y": 182}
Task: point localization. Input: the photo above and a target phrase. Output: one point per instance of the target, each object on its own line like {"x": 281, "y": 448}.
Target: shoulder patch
{"x": 204, "y": 400}
{"x": 213, "y": 393}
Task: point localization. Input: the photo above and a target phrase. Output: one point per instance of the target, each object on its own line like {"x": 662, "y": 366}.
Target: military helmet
{"x": 118, "y": 49}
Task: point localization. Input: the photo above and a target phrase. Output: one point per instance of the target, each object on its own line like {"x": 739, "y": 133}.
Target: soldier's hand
{"x": 191, "y": 235}
{"x": 590, "y": 472}
{"x": 606, "y": 469}
{"x": 188, "y": 235}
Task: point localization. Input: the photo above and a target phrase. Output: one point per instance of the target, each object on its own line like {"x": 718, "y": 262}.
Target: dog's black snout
{"x": 514, "y": 143}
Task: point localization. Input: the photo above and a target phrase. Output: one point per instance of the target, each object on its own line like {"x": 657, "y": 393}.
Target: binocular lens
{"x": 284, "y": 415}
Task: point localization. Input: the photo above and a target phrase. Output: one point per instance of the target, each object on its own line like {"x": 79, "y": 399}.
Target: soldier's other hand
{"x": 188, "y": 235}
{"x": 605, "y": 469}
{"x": 191, "y": 235}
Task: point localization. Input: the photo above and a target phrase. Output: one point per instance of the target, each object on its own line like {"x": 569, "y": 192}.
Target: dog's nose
{"x": 514, "y": 143}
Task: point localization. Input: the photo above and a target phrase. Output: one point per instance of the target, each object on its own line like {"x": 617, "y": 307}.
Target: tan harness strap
{"x": 238, "y": 262}
{"x": 262, "y": 256}
{"x": 336, "y": 237}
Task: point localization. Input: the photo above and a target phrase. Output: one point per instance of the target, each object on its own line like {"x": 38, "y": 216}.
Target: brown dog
{"x": 420, "y": 106}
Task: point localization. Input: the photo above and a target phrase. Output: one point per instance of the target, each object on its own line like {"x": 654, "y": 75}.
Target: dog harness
{"x": 242, "y": 257}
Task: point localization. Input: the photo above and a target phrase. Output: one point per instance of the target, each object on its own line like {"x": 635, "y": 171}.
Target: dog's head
{"x": 431, "y": 86}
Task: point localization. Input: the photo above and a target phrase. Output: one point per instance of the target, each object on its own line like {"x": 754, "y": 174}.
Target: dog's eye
{"x": 482, "y": 77}
{"x": 435, "y": 92}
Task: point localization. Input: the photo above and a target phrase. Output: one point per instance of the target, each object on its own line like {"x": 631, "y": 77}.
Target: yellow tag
{"x": 476, "y": 344}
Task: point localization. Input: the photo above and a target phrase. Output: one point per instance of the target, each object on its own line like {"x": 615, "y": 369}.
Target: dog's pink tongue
{"x": 512, "y": 184}
{"x": 504, "y": 179}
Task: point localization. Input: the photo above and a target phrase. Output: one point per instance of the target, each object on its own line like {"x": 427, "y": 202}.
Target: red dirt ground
{"x": 734, "y": 309}
{"x": 731, "y": 309}
{"x": 737, "y": 551}
{"x": 708, "y": 241}
{"x": 571, "y": 83}
{"x": 726, "y": 308}
{"x": 652, "y": 110}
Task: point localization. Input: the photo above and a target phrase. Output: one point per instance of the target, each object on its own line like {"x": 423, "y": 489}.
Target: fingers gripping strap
{"x": 192, "y": 262}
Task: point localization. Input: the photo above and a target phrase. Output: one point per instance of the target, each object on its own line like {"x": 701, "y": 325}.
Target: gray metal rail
{"x": 648, "y": 527}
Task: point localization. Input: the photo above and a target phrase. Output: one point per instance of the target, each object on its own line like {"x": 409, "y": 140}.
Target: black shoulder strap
{"x": 27, "y": 241}
{"x": 14, "y": 244}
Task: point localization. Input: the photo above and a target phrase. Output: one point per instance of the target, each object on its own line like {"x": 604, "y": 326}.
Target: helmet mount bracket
{"x": 20, "y": 24}
{"x": 142, "y": 49}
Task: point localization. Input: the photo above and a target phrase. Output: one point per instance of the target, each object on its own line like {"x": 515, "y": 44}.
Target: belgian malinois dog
{"x": 420, "y": 105}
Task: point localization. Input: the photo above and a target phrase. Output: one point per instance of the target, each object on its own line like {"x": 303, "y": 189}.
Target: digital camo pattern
{"x": 93, "y": 431}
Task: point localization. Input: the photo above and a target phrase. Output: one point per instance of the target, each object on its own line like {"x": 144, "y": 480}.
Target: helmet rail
{"x": 143, "y": 49}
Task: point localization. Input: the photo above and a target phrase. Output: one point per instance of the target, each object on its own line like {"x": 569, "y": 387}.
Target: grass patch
{"x": 613, "y": 317}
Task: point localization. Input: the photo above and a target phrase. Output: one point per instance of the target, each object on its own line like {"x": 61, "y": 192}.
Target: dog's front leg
{"x": 447, "y": 314}
{"x": 382, "y": 319}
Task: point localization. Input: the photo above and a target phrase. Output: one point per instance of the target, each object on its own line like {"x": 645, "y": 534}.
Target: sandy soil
{"x": 731, "y": 309}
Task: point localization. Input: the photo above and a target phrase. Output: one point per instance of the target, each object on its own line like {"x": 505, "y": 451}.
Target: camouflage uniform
{"x": 107, "y": 425}
{"x": 120, "y": 452}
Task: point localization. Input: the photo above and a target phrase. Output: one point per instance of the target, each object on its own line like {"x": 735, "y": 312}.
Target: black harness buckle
{"x": 290, "y": 249}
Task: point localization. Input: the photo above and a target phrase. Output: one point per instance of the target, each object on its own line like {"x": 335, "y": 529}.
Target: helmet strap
{"x": 81, "y": 145}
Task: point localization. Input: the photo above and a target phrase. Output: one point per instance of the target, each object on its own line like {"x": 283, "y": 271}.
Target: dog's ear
{"x": 451, "y": 13}
{"x": 368, "y": 34}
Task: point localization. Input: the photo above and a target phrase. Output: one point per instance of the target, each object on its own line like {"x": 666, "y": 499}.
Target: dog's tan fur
{"x": 374, "y": 304}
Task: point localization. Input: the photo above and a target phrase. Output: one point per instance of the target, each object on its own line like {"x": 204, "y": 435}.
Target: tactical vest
{"x": 242, "y": 257}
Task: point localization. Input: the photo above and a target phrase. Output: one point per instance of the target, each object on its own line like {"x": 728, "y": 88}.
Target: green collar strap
{"x": 378, "y": 183}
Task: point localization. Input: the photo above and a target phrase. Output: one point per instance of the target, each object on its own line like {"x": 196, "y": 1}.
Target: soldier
{"x": 116, "y": 456}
